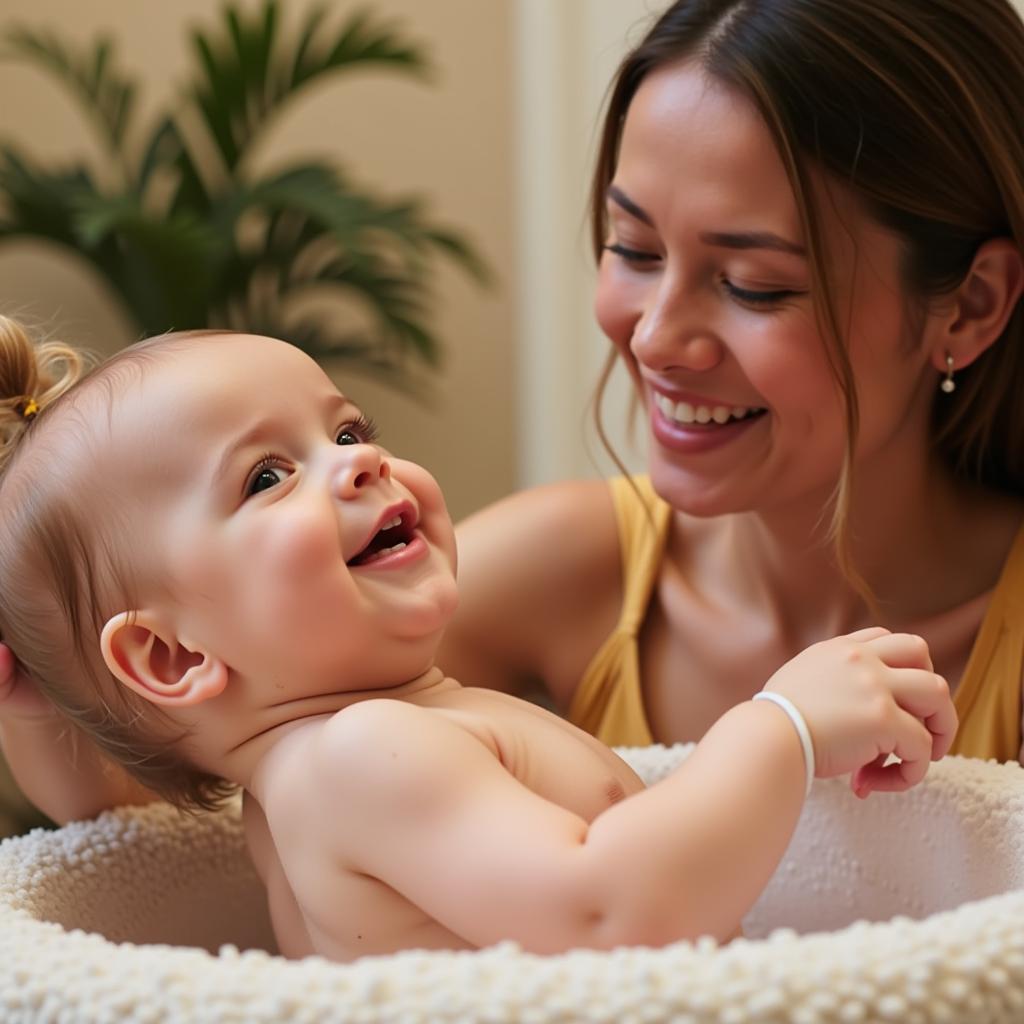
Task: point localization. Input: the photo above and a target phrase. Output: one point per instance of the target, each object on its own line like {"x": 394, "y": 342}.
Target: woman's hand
{"x": 57, "y": 768}
{"x": 19, "y": 697}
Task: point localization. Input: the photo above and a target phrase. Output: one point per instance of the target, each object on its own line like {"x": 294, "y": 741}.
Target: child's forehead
{"x": 195, "y": 393}
{"x": 236, "y": 369}
{"x": 236, "y": 352}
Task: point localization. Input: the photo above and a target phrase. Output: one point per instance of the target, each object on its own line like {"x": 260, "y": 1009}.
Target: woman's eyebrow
{"x": 726, "y": 239}
{"x": 616, "y": 195}
{"x": 751, "y": 240}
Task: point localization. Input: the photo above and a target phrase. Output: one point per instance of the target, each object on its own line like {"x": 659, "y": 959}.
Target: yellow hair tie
{"x": 29, "y": 408}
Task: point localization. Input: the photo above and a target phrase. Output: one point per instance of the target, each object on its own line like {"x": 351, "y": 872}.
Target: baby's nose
{"x": 359, "y": 466}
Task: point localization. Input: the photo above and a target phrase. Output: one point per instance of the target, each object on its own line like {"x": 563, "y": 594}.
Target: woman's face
{"x": 704, "y": 287}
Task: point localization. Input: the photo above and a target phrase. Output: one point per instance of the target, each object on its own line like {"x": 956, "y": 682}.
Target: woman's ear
{"x": 979, "y": 309}
{"x": 148, "y": 658}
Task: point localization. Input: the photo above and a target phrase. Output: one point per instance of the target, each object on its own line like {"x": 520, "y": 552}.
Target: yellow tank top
{"x": 609, "y": 702}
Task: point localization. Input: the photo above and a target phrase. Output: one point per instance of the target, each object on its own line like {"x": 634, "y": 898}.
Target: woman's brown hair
{"x": 918, "y": 107}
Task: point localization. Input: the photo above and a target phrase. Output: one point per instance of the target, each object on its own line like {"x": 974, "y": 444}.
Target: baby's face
{"x": 292, "y": 546}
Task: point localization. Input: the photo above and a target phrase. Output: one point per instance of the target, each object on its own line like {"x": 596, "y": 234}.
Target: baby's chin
{"x": 430, "y": 609}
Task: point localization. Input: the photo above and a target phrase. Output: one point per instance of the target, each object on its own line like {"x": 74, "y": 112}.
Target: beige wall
{"x": 451, "y": 141}
{"x": 568, "y": 52}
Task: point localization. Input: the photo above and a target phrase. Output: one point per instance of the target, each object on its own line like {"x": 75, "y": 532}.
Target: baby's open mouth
{"x": 391, "y": 537}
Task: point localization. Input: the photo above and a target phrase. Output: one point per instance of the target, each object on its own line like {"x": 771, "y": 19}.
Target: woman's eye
{"x": 760, "y": 298}
{"x": 632, "y": 255}
{"x": 360, "y": 431}
{"x": 264, "y": 478}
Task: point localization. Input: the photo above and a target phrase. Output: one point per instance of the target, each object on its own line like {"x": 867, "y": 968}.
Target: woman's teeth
{"x": 397, "y": 521}
{"x": 684, "y": 412}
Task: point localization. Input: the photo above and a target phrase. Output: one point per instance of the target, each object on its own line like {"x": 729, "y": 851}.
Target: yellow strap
{"x": 608, "y": 701}
{"x": 988, "y": 698}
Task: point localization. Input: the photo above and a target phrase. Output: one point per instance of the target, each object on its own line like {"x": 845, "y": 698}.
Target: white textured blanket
{"x": 942, "y": 867}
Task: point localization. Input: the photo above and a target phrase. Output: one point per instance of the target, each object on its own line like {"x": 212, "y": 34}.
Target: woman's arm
{"x": 540, "y": 588}
{"x": 57, "y": 768}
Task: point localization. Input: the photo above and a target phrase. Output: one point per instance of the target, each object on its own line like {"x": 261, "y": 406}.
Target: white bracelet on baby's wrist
{"x": 800, "y": 724}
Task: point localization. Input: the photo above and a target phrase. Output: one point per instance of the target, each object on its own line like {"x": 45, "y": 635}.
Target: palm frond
{"x": 164, "y": 267}
{"x": 165, "y": 152}
{"x": 398, "y": 304}
{"x": 363, "y": 39}
{"x": 268, "y": 283}
{"x": 39, "y": 202}
{"x": 343, "y": 241}
{"x": 186, "y": 243}
{"x": 247, "y": 72}
{"x": 106, "y": 95}
{"x": 459, "y": 250}
{"x": 356, "y": 220}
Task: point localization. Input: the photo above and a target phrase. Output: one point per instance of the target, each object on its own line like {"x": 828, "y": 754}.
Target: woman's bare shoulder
{"x": 572, "y": 520}
{"x": 539, "y": 582}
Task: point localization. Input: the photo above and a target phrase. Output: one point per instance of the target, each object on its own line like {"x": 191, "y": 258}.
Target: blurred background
{"x": 484, "y": 111}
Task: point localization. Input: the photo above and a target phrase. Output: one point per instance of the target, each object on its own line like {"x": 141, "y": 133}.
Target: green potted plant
{"x": 187, "y": 234}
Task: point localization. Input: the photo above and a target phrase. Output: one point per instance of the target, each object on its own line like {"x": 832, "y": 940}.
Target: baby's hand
{"x": 868, "y": 695}
{"x": 19, "y": 698}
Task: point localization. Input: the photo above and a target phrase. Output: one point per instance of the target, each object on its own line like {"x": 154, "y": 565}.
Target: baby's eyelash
{"x": 363, "y": 427}
{"x": 266, "y": 460}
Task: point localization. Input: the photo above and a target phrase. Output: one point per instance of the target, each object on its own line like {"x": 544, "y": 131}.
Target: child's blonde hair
{"x": 64, "y": 569}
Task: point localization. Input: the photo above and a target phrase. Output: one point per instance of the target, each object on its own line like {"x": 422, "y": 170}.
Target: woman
{"x": 809, "y": 219}
{"x": 809, "y": 216}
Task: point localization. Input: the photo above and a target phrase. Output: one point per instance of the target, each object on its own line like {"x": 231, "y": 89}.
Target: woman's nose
{"x": 675, "y": 332}
{"x": 357, "y": 467}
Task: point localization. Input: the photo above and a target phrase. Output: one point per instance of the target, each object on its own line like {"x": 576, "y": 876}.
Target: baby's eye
{"x": 360, "y": 431}
{"x": 264, "y": 477}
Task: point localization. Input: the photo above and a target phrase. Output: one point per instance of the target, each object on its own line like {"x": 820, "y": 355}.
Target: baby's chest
{"x": 560, "y": 764}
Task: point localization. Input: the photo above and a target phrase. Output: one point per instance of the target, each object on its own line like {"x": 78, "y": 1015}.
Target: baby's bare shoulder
{"x": 396, "y": 747}
{"x": 370, "y": 729}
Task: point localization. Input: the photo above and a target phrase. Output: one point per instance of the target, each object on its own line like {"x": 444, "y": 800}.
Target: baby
{"x": 211, "y": 567}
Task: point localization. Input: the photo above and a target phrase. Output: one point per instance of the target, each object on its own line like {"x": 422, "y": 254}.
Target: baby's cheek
{"x": 298, "y": 547}
{"x": 297, "y": 578}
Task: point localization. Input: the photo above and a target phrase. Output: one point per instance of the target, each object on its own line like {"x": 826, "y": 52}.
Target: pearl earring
{"x": 948, "y": 385}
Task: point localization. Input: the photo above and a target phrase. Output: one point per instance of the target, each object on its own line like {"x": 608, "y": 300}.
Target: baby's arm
{"x": 58, "y": 770}
{"x": 442, "y": 822}
{"x": 445, "y": 824}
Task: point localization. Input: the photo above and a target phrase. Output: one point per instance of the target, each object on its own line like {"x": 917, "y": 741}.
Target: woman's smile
{"x": 689, "y": 428}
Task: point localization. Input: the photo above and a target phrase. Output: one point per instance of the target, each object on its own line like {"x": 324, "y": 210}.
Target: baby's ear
{"x": 148, "y": 658}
